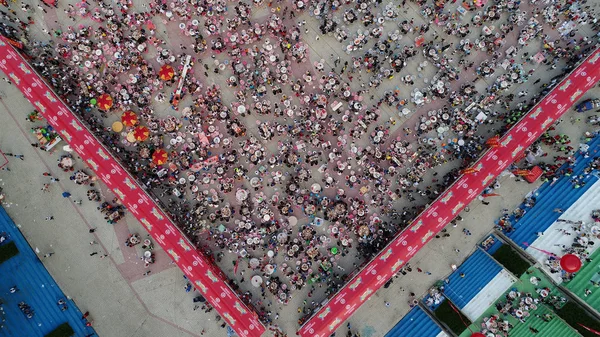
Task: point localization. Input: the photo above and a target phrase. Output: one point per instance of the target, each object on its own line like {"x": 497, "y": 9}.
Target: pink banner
{"x": 202, "y": 273}
{"x": 364, "y": 284}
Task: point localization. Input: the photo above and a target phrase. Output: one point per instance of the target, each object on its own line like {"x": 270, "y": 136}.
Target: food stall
{"x": 46, "y": 136}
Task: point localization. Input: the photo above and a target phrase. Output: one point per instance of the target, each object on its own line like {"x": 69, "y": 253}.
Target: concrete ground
{"x": 124, "y": 302}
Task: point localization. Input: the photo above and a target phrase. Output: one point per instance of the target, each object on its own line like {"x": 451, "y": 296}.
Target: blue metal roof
{"x": 36, "y": 288}
{"x": 479, "y": 269}
{"x": 415, "y": 323}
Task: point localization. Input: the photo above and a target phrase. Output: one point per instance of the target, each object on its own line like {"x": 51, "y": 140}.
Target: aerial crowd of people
{"x": 292, "y": 165}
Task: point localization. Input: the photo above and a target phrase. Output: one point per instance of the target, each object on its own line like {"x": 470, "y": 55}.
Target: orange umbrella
{"x": 166, "y": 72}
{"x": 105, "y": 102}
{"x": 141, "y": 133}
{"x": 159, "y": 157}
{"x": 129, "y": 118}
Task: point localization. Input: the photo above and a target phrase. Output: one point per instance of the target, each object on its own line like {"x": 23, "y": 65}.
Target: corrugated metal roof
{"x": 415, "y": 323}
